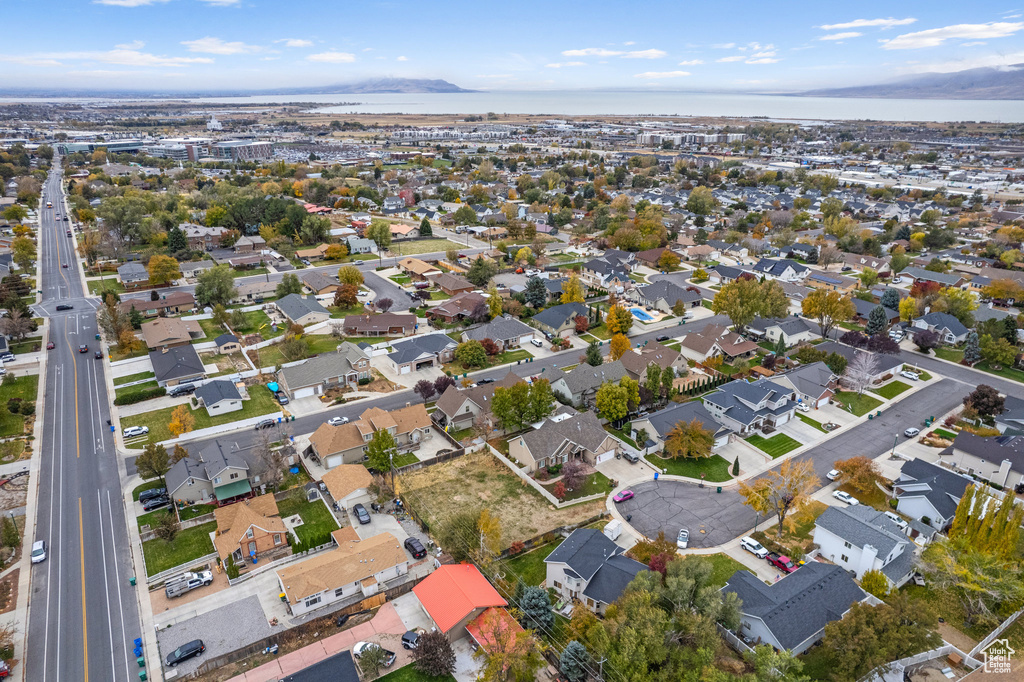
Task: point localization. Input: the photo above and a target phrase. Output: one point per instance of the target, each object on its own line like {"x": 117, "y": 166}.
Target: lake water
{"x": 634, "y": 103}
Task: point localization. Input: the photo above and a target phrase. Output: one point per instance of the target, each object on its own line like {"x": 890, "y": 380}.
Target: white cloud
{"x": 29, "y": 61}
{"x": 935, "y": 37}
{"x": 999, "y": 61}
{"x": 973, "y": 43}
{"x": 558, "y": 65}
{"x": 295, "y": 42}
{"x": 761, "y": 60}
{"x": 494, "y": 75}
{"x": 118, "y": 56}
{"x": 128, "y": 3}
{"x": 867, "y": 23}
{"x": 629, "y": 42}
{"x": 662, "y": 74}
{"x": 724, "y": 46}
{"x": 211, "y": 45}
{"x": 134, "y": 45}
{"x": 332, "y": 57}
{"x": 645, "y": 54}
{"x": 733, "y": 58}
{"x": 591, "y": 52}
{"x": 401, "y": 59}
{"x": 766, "y": 53}
{"x": 691, "y": 62}
{"x": 841, "y": 36}
{"x": 221, "y": 3}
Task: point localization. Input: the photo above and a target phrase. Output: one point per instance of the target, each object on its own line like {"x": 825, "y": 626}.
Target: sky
{"x": 198, "y": 45}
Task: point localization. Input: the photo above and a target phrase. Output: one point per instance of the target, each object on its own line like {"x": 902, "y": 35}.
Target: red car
{"x": 623, "y": 496}
{"x": 51, "y": 345}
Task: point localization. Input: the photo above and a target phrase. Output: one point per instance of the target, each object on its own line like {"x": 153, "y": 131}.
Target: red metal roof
{"x": 453, "y": 591}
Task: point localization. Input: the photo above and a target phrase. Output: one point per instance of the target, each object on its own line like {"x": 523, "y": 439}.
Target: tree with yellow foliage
{"x": 908, "y": 309}
{"x": 619, "y": 346}
{"x": 572, "y": 290}
{"x": 162, "y": 270}
{"x": 182, "y": 421}
{"x": 494, "y": 302}
{"x": 490, "y": 535}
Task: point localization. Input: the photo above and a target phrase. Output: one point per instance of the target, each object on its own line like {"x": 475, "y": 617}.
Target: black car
{"x": 410, "y": 640}
{"x": 185, "y": 652}
{"x": 156, "y": 502}
{"x": 480, "y": 382}
{"x": 83, "y": 348}
{"x": 151, "y": 493}
{"x": 98, "y": 354}
{"x": 415, "y": 548}
{"x": 65, "y": 306}
{"x": 662, "y": 338}
{"x": 181, "y": 389}
{"x": 265, "y": 424}
{"x": 361, "y": 514}
{"x": 281, "y": 397}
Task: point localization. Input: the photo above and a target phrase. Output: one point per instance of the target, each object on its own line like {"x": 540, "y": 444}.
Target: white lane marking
{"x": 49, "y": 567}
{"x": 117, "y": 583}
{"x": 106, "y": 583}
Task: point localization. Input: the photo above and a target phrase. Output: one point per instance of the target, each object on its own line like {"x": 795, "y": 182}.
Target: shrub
{"x": 363, "y": 382}
{"x": 27, "y": 408}
{"x": 139, "y": 396}
{"x": 516, "y": 547}
{"x": 14, "y": 405}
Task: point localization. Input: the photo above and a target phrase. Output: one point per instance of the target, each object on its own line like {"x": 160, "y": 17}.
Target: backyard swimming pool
{"x": 641, "y": 314}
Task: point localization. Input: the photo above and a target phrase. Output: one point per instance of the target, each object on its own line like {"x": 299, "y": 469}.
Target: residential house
{"x": 912, "y": 275}
{"x": 745, "y": 407}
{"x": 798, "y": 250}
{"x": 254, "y": 292}
{"x": 506, "y": 331}
{"x": 863, "y": 312}
{"x": 418, "y": 270}
{"x": 168, "y": 332}
{"x": 860, "y": 539}
{"x": 950, "y": 330}
{"x": 792, "y": 613}
{"x": 384, "y": 324}
{"x": 132, "y": 274}
{"x": 860, "y": 262}
{"x": 637, "y": 360}
{"x": 452, "y": 284}
{"x": 316, "y": 253}
{"x": 590, "y": 568}
{"x": 792, "y": 330}
{"x": 301, "y": 310}
{"x": 319, "y": 283}
{"x": 172, "y": 303}
{"x": 832, "y": 282}
{"x": 723, "y": 274}
{"x": 929, "y": 493}
{"x": 346, "y": 443}
{"x": 457, "y": 408}
{"x": 227, "y": 343}
{"x": 659, "y": 424}
{"x": 454, "y": 595}
{"x": 720, "y": 248}
{"x": 191, "y": 269}
{"x": 210, "y": 476}
{"x": 1011, "y": 419}
{"x": 458, "y": 307}
{"x": 563, "y": 437}
{"x": 251, "y": 529}
{"x": 357, "y": 245}
{"x": 420, "y": 352}
{"x": 249, "y": 243}
{"x": 316, "y": 376}
{"x": 173, "y": 366}
{"x": 885, "y": 365}
{"x": 999, "y": 460}
{"x": 785, "y": 270}
{"x": 651, "y": 257}
{"x": 354, "y": 569}
{"x": 580, "y": 385}
{"x": 202, "y": 238}
{"x": 219, "y": 397}
{"x": 349, "y": 485}
{"x": 699, "y": 252}
{"x": 602, "y": 273}
{"x": 714, "y": 340}
{"x": 813, "y": 384}
{"x": 664, "y": 295}
{"x": 560, "y": 320}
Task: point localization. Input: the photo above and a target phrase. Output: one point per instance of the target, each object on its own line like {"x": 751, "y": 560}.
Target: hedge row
{"x": 139, "y": 396}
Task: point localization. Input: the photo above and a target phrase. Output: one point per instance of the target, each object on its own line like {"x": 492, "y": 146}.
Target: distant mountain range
{"x": 985, "y": 83}
{"x": 367, "y": 87}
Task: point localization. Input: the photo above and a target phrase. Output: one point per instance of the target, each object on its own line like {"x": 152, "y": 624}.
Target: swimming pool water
{"x": 641, "y": 314}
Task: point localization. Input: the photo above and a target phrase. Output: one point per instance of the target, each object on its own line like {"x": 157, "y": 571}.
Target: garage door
{"x": 305, "y": 392}
{"x": 822, "y": 403}
{"x": 781, "y": 419}
{"x": 604, "y": 456}
{"x": 333, "y": 461}
{"x": 405, "y": 369}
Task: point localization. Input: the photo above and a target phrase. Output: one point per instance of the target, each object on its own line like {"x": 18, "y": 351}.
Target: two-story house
{"x": 862, "y": 539}
{"x": 746, "y": 407}
{"x": 929, "y": 493}
{"x": 716, "y": 340}
{"x": 785, "y": 270}
{"x": 209, "y": 476}
{"x": 792, "y": 330}
{"x": 950, "y": 329}
{"x": 346, "y": 443}
{"x": 663, "y": 295}
{"x": 251, "y": 529}
{"x": 813, "y": 384}
{"x": 580, "y": 384}
{"x": 590, "y": 568}
{"x": 315, "y": 376}
{"x": 998, "y": 460}
{"x": 457, "y": 408}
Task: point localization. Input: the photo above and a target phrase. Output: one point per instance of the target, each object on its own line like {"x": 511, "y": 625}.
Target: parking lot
{"x": 712, "y": 518}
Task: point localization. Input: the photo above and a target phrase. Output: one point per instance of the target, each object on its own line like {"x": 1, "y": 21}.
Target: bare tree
{"x": 829, "y": 255}
{"x": 15, "y": 324}
{"x": 270, "y": 459}
{"x": 780, "y": 219}
{"x": 860, "y": 371}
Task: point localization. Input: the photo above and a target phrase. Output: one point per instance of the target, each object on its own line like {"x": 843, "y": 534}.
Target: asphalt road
{"x": 83, "y": 614}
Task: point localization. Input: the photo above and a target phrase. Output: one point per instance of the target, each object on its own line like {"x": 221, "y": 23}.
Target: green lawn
{"x": 951, "y": 354}
{"x": 316, "y": 518}
{"x": 260, "y": 402}
{"x": 191, "y": 512}
{"x": 811, "y": 422}
{"x": 148, "y": 485}
{"x": 106, "y": 284}
{"x": 133, "y": 377}
{"x": 30, "y": 346}
{"x": 456, "y": 367}
{"x": 188, "y": 545}
{"x": 861, "y": 404}
{"x": 621, "y": 435}
{"x": 412, "y": 248}
{"x": 723, "y": 567}
{"x": 136, "y": 388}
{"x": 776, "y": 446}
{"x": 891, "y": 389}
{"x": 116, "y": 355}
{"x": 400, "y": 279}
{"x": 318, "y": 343}
{"x": 595, "y": 483}
{"x": 258, "y": 321}
{"x": 439, "y": 296}
{"x": 714, "y": 468}
{"x": 211, "y": 330}
{"x": 817, "y": 664}
{"x": 600, "y": 331}
{"x": 151, "y": 518}
{"x": 409, "y": 673}
{"x": 401, "y": 460}
{"x": 529, "y": 566}
{"x": 341, "y": 313}
{"x": 24, "y": 387}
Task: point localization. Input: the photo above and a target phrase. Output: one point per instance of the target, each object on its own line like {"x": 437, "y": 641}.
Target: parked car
{"x": 895, "y": 518}
{"x": 753, "y": 546}
{"x": 537, "y": 342}
{"x": 632, "y": 457}
{"x": 133, "y": 431}
{"x": 845, "y": 497}
{"x": 360, "y": 511}
{"x": 362, "y": 647}
{"x": 782, "y": 562}
{"x": 415, "y": 548}
{"x": 185, "y": 652}
{"x": 683, "y": 539}
{"x": 410, "y": 640}
{"x": 911, "y": 432}
{"x": 38, "y": 551}
{"x": 265, "y": 424}
{"x": 181, "y": 389}
{"x": 803, "y": 407}
{"x": 151, "y": 493}
{"x": 7, "y": 357}
{"x": 663, "y": 337}
{"x": 337, "y": 421}
{"x": 907, "y": 374}
{"x": 50, "y": 345}
{"x": 65, "y": 306}
{"x": 833, "y": 475}
{"x": 155, "y": 503}
{"x": 281, "y": 397}
{"x": 623, "y": 496}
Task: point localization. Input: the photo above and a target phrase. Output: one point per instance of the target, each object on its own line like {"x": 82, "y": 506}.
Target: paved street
{"x": 83, "y": 614}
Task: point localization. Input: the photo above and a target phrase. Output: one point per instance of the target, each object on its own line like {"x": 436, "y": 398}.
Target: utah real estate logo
{"x": 998, "y": 656}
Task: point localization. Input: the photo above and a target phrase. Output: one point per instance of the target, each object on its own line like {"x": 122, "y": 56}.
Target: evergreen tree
{"x": 891, "y": 299}
{"x": 176, "y": 240}
{"x": 780, "y": 347}
{"x": 572, "y": 662}
{"x": 972, "y": 350}
{"x": 536, "y": 294}
{"x": 736, "y": 467}
{"x": 536, "y": 608}
{"x": 877, "y": 320}
{"x": 594, "y": 357}
{"x": 425, "y": 229}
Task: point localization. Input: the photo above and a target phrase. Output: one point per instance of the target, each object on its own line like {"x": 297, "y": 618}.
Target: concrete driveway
{"x": 624, "y": 471}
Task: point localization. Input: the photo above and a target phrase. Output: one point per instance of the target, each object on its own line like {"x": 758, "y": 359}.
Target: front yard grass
{"x": 271, "y": 356}
{"x": 401, "y": 460}
{"x": 873, "y": 498}
{"x": 260, "y": 402}
{"x": 195, "y": 510}
{"x": 257, "y": 321}
{"x": 316, "y": 518}
{"x": 529, "y": 566}
{"x": 25, "y": 387}
{"x": 595, "y": 483}
{"x": 412, "y": 248}
{"x": 456, "y": 367}
{"x": 723, "y": 566}
{"x": 133, "y": 377}
{"x": 811, "y": 422}
{"x": 116, "y": 355}
{"x": 29, "y": 346}
{"x": 951, "y": 354}
{"x": 409, "y": 673}
{"x": 105, "y": 284}
{"x": 860, "y": 404}
{"x": 891, "y": 389}
{"x": 715, "y": 468}
{"x": 187, "y": 545}
{"x": 776, "y": 446}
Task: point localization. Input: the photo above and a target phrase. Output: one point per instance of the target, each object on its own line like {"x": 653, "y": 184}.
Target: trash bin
{"x": 141, "y": 661}
{"x": 718, "y": 489}
{"x": 132, "y": 581}
{"x": 656, "y": 474}
{"x": 143, "y": 676}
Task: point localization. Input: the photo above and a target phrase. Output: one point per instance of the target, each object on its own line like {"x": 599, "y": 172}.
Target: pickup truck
{"x": 783, "y": 563}
{"x": 186, "y": 582}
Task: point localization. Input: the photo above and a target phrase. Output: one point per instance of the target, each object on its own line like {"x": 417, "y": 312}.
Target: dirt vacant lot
{"x": 479, "y": 480}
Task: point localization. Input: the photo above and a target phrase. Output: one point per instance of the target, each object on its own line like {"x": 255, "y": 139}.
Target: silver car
{"x": 683, "y": 539}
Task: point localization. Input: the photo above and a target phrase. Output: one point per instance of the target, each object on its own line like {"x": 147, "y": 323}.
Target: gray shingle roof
{"x": 133, "y": 271}
{"x": 225, "y": 338}
{"x": 672, "y": 293}
{"x": 799, "y": 605}
{"x": 322, "y": 367}
{"x": 176, "y": 363}
{"x": 944, "y": 321}
{"x": 294, "y": 306}
{"x": 927, "y": 275}
{"x": 885, "y": 362}
{"x": 213, "y": 392}
{"x": 429, "y": 344}
{"x": 861, "y": 525}
{"x": 599, "y": 561}
{"x": 584, "y": 429}
{"x": 811, "y": 380}
{"x": 500, "y": 329}
{"x": 584, "y": 377}
{"x": 665, "y": 420}
{"x": 944, "y": 488}
{"x": 558, "y": 315}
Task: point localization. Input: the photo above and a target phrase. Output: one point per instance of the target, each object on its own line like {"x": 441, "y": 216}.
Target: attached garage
{"x": 604, "y": 456}
{"x": 307, "y": 392}
{"x": 404, "y": 369}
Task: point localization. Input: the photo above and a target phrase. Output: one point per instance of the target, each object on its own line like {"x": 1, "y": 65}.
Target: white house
{"x": 862, "y": 539}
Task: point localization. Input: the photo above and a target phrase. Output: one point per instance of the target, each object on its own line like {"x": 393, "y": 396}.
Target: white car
{"x": 38, "y": 551}
{"x": 363, "y": 294}
{"x": 907, "y": 374}
{"x": 753, "y": 546}
{"x": 803, "y": 407}
{"x": 683, "y": 539}
{"x": 845, "y": 497}
{"x": 337, "y": 421}
{"x": 892, "y": 516}
{"x": 833, "y": 475}
{"x": 911, "y": 432}
{"x": 133, "y": 431}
